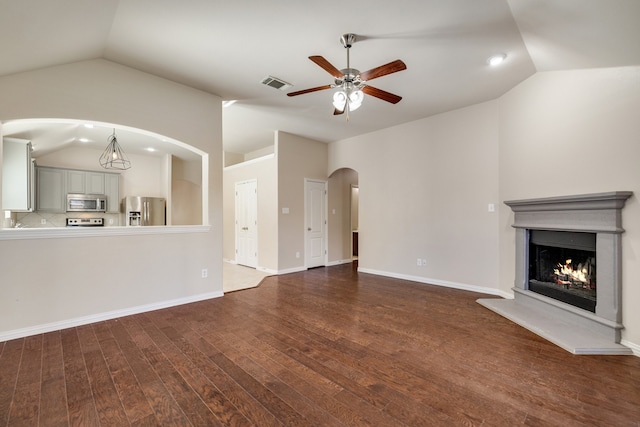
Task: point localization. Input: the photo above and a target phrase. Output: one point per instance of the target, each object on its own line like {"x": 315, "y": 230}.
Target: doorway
{"x": 247, "y": 223}
{"x": 355, "y": 191}
{"x": 315, "y": 223}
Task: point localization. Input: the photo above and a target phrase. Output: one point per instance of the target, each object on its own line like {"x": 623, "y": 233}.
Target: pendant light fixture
{"x": 113, "y": 157}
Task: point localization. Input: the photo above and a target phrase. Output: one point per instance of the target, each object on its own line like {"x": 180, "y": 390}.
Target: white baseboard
{"x": 634, "y": 347}
{"x": 339, "y": 262}
{"x": 267, "y": 270}
{"x": 292, "y": 270}
{"x": 85, "y": 320}
{"x": 444, "y": 283}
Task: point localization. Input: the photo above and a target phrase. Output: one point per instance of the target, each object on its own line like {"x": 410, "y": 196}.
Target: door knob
{"x": 309, "y": 229}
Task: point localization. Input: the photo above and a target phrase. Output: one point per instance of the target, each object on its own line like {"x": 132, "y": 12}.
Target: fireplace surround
{"x": 580, "y": 330}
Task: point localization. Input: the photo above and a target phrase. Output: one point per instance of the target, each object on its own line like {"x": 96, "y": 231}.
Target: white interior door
{"x": 247, "y": 223}
{"x": 315, "y": 223}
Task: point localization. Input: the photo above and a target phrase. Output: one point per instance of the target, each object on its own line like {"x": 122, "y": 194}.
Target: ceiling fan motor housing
{"x": 348, "y": 40}
{"x": 349, "y": 75}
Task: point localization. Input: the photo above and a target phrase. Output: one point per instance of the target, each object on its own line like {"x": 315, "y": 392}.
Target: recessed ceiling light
{"x": 88, "y": 125}
{"x": 497, "y": 59}
{"x": 84, "y": 140}
{"x": 150, "y": 149}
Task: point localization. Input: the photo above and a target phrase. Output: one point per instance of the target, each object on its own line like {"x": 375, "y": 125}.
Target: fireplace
{"x": 562, "y": 266}
{"x": 568, "y": 271}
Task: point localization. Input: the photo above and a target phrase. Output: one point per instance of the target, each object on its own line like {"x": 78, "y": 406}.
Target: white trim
{"x": 248, "y": 162}
{"x": 63, "y": 232}
{"x": 339, "y": 262}
{"x": 266, "y": 270}
{"x": 85, "y": 320}
{"x": 292, "y": 270}
{"x": 634, "y": 347}
{"x": 444, "y": 283}
{"x": 258, "y": 268}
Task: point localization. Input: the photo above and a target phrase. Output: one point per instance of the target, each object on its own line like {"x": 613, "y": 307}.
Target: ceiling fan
{"x": 352, "y": 83}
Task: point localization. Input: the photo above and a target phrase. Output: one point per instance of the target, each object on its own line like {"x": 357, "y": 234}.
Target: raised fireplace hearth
{"x": 568, "y": 271}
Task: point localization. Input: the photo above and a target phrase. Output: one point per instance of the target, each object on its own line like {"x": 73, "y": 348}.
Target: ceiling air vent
{"x": 276, "y": 83}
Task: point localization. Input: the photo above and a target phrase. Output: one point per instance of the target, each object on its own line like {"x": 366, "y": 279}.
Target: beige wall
{"x": 44, "y": 280}
{"x": 298, "y": 158}
{"x": 265, "y": 172}
{"x": 424, "y": 189}
{"x": 575, "y": 132}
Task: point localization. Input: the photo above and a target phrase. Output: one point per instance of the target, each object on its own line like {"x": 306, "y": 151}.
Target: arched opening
{"x": 344, "y": 223}
{"x": 161, "y": 167}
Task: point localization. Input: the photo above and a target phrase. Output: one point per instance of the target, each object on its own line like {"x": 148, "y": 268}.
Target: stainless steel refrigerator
{"x": 141, "y": 211}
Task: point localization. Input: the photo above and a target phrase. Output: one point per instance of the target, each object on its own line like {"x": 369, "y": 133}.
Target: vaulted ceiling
{"x": 228, "y": 47}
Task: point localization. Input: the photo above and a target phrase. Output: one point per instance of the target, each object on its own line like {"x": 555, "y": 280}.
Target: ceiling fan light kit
{"x": 351, "y": 83}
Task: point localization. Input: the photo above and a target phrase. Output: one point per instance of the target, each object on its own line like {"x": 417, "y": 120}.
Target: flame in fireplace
{"x": 567, "y": 274}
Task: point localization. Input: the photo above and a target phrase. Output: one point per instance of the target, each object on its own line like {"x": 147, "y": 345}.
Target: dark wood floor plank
{"x": 169, "y": 368}
{"x": 26, "y": 399}
{"x": 328, "y": 346}
{"x": 53, "y": 400}
{"x": 187, "y": 362}
{"x": 81, "y": 406}
{"x": 205, "y": 355}
{"x": 133, "y": 399}
{"x": 9, "y": 367}
{"x": 106, "y": 398}
{"x": 166, "y": 410}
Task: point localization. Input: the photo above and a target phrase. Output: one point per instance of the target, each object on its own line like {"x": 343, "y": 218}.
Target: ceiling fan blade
{"x": 313, "y": 89}
{"x": 383, "y": 70}
{"x": 384, "y": 95}
{"x": 337, "y": 112}
{"x": 326, "y": 65}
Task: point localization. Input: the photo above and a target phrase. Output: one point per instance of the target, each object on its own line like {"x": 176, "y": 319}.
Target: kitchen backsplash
{"x": 48, "y": 220}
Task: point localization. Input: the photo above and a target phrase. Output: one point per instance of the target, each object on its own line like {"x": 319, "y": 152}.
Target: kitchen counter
{"x": 62, "y": 232}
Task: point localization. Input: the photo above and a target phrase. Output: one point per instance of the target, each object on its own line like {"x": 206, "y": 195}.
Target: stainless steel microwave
{"x": 86, "y": 203}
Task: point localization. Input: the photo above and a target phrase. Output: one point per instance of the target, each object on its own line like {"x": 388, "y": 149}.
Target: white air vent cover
{"x": 276, "y": 83}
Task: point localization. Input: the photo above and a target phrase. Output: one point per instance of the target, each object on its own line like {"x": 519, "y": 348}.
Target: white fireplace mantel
{"x": 576, "y": 330}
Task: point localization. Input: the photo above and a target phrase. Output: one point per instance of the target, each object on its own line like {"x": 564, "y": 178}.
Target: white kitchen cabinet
{"x": 76, "y": 181}
{"x": 51, "y": 189}
{"x": 85, "y": 182}
{"x": 53, "y": 185}
{"x": 112, "y": 190}
{"x": 94, "y": 183}
{"x": 17, "y": 175}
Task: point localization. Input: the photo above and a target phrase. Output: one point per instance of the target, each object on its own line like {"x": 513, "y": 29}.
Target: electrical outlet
{"x": 491, "y": 207}
{"x": 43, "y": 221}
{"x": 297, "y": 254}
{"x": 205, "y": 273}
{"x": 424, "y": 262}
{"x": 419, "y": 262}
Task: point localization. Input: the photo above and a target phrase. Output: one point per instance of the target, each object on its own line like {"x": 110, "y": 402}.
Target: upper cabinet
{"x": 17, "y": 175}
{"x": 53, "y": 184}
{"x": 85, "y": 182}
{"x": 51, "y": 189}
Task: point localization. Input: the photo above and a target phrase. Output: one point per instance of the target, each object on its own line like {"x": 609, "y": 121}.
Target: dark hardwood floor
{"x": 325, "y": 347}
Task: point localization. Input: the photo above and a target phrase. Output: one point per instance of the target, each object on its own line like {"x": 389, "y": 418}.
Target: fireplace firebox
{"x": 562, "y": 266}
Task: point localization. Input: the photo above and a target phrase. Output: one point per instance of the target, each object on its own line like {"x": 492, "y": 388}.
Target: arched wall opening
{"x": 344, "y": 236}
{"x": 160, "y": 166}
